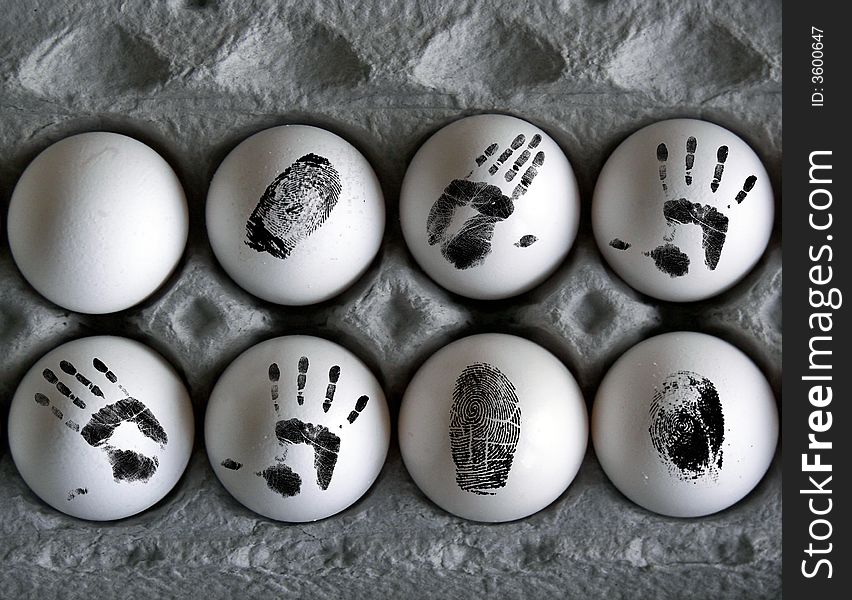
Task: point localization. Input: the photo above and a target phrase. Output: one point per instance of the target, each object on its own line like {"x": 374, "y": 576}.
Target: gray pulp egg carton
{"x": 192, "y": 78}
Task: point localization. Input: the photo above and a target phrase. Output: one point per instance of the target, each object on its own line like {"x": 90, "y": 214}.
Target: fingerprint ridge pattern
{"x": 485, "y": 425}
{"x": 687, "y": 426}
{"x": 294, "y": 205}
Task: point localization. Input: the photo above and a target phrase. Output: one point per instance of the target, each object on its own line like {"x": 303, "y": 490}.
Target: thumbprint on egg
{"x": 687, "y": 426}
{"x": 485, "y": 424}
{"x": 293, "y": 206}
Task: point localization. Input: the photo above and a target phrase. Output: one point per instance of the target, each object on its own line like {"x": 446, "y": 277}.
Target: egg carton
{"x": 193, "y": 78}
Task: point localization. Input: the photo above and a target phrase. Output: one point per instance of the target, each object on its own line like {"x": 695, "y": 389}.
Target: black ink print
{"x": 687, "y": 426}
{"x": 471, "y": 244}
{"x": 526, "y": 241}
{"x": 326, "y": 446}
{"x": 747, "y": 186}
{"x": 713, "y": 224}
{"x": 127, "y": 465}
{"x": 78, "y": 492}
{"x": 301, "y": 380}
{"x": 691, "y": 144}
{"x": 294, "y": 205}
{"x": 485, "y": 425}
{"x": 667, "y": 257}
{"x": 282, "y": 480}
{"x": 279, "y": 477}
{"x": 721, "y": 157}
{"x": 662, "y": 156}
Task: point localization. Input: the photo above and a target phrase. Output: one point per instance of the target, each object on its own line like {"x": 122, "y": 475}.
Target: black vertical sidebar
{"x": 816, "y": 228}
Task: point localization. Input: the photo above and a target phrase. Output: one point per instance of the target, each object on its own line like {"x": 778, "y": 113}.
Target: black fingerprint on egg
{"x": 293, "y": 206}
{"x": 485, "y": 425}
{"x": 687, "y": 426}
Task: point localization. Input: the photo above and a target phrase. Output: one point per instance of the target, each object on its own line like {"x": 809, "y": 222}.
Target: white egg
{"x": 682, "y": 210}
{"x": 97, "y": 222}
{"x": 493, "y": 428}
{"x": 297, "y": 428}
{"x": 295, "y": 214}
{"x": 489, "y": 206}
{"x": 101, "y": 428}
{"x": 684, "y": 424}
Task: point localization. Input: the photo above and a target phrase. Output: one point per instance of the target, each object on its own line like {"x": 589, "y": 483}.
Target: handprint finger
{"x": 663, "y": 157}
{"x": 748, "y": 185}
{"x": 516, "y": 143}
{"x": 51, "y": 377}
{"x": 333, "y": 376}
{"x": 72, "y": 370}
{"x": 100, "y": 367}
{"x": 523, "y": 158}
{"x": 528, "y": 176}
{"x": 691, "y": 145}
{"x": 486, "y": 154}
{"x": 721, "y": 157}
{"x": 274, "y": 376}
{"x": 301, "y": 379}
{"x": 43, "y": 400}
{"x": 360, "y": 405}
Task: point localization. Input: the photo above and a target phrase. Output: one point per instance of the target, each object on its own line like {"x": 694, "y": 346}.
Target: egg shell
{"x": 493, "y": 396}
{"x": 97, "y": 222}
{"x": 258, "y": 434}
{"x": 69, "y": 455}
{"x": 648, "y": 228}
{"x": 295, "y": 214}
{"x": 684, "y": 424}
{"x": 451, "y": 173}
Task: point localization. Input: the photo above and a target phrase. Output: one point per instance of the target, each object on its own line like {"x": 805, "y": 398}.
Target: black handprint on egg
{"x": 668, "y": 257}
{"x": 279, "y": 477}
{"x": 687, "y": 426}
{"x": 472, "y": 243}
{"x": 293, "y": 206}
{"x": 127, "y": 465}
{"x": 485, "y": 426}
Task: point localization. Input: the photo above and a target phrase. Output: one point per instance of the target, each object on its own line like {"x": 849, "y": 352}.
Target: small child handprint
{"x": 127, "y": 465}
{"x": 667, "y": 256}
{"x": 279, "y": 477}
{"x": 472, "y": 243}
